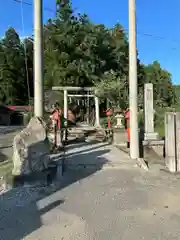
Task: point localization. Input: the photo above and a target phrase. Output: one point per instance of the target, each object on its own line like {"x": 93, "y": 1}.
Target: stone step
{"x": 122, "y": 144}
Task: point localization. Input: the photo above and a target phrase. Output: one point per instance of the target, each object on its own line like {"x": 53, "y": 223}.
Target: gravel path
{"x": 122, "y": 202}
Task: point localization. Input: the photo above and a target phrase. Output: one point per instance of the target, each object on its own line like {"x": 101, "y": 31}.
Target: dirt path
{"x": 95, "y": 203}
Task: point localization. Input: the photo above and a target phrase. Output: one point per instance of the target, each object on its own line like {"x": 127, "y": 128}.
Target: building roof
{"x": 20, "y": 108}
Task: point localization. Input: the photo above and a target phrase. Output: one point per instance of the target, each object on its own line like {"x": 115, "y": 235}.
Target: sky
{"x": 158, "y": 24}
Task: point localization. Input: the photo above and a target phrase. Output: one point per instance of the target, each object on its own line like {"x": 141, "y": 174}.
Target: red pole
{"x": 109, "y": 122}
{"x": 55, "y": 135}
{"x": 56, "y": 124}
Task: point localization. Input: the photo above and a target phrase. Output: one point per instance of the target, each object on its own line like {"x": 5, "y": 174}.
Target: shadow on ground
{"x": 19, "y": 212}
{"x": 10, "y": 129}
{"x": 3, "y": 157}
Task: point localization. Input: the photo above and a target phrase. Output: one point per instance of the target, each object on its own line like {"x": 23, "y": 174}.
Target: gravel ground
{"x": 122, "y": 202}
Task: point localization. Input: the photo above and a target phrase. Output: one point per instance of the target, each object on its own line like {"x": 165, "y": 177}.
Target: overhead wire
{"x": 31, "y": 4}
{"x": 140, "y": 33}
{"x": 25, "y": 54}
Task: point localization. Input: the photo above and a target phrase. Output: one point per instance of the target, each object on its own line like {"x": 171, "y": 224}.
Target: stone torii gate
{"x": 77, "y": 89}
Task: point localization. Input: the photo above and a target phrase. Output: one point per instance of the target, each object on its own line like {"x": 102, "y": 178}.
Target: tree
{"x": 13, "y": 81}
{"x": 28, "y": 58}
{"x": 162, "y": 83}
{"x": 113, "y": 88}
{"x": 78, "y": 52}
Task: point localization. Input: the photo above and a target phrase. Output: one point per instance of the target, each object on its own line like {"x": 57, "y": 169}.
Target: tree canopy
{"x": 15, "y": 76}
{"x": 78, "y": 52}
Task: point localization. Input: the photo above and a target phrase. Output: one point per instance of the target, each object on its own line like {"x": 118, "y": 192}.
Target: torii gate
{"x": 77, "y": 89}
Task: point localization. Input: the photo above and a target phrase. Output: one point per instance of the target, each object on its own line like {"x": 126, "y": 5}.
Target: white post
{"x": 170, "y": 141}
{"x": 177, "y": 141}
{"x": 38, "y": 59}
{"x": 149, "y": 113}
{"x": 97, "y": 111}
{"x": 88, "y": 108}
{"x": 65, "y": 114}
{"x": 148, "y": 108}
{"x": 65, "y": 105}
{"x": 133, "y": 96}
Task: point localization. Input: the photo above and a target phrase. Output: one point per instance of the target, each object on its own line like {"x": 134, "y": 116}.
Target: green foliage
{"x": 164, "y": 94}
{"x": 176, "y": 89}
{"x": 78, "y": 52}
{"x": 104, "y": 121}
{"x": 13, "y": 76}
{"x": 113, "y": 88}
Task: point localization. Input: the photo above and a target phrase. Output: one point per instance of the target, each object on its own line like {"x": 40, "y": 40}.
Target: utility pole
{"x": 133, "y": 88}
{"x": 38, "y": 59}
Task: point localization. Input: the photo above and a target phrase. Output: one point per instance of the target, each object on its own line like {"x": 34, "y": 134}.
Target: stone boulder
{"x": 31, "y": 150}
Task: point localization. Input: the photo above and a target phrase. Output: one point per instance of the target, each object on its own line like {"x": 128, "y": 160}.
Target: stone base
{"x": 119, "y": 126}
{"x": 151, "y": 136}
{"x": 153, "y": 152}
{"x": 119, "y": 136}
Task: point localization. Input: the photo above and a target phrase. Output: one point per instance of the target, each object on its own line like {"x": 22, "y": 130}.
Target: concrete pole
{"x": 65, "y": 137}
{"x": 65, "y": 106}
{"x": 97, "y": 111}
{"x": 88, "y": 109}
{"x": 133, "y": 93}
{"x": 38, "y": 60}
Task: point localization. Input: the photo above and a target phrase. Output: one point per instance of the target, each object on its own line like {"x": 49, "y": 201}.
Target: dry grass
{"x": 6, "y": 170}
{"x": 6, "y": 155}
